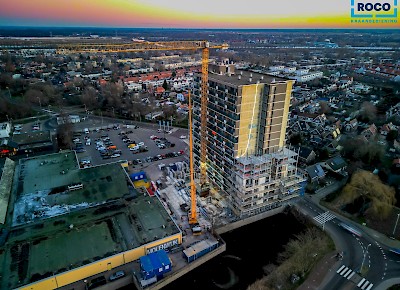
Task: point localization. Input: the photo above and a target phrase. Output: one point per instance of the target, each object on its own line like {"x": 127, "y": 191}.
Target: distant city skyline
{"x": 182, "y": 14}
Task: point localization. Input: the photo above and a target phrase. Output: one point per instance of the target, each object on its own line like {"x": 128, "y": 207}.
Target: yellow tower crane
{"x": 170, "y": 45}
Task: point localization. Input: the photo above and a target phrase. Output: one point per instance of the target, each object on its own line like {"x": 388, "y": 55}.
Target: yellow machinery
{"x": 193, "y": 204}
{"x": 170, "y": 45}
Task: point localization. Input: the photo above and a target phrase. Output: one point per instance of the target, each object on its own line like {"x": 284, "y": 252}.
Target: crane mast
{"x": 203, "y": 127}
{"x": 193, "y": 208}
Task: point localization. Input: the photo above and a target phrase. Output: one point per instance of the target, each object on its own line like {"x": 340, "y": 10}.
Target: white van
{"x": 86, "y": 130}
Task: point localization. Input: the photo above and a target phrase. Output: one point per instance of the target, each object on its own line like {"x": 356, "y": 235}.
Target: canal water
{"x": 248, "y": 249}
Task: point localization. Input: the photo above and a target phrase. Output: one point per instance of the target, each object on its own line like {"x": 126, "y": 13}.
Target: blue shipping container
{"x": 198, "y": 250}
{"x": 155, "y": 264}
{"x": 138, "y": 176}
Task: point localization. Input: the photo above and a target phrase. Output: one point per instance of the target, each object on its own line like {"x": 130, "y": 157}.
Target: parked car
{"x": 96, "y": 282}
{"x": 117, "y": 275}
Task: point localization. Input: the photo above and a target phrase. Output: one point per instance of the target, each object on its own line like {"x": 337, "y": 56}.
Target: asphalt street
{"x": 366, "y": 262}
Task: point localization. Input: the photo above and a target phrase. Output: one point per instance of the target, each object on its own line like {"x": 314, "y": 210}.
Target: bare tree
{"x": 324, "y": 107}
{"x": 89, "y": 98}
{"x": 368, "y": 112}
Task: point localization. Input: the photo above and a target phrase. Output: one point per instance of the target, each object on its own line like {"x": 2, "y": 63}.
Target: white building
{"x": 276, "y": 68}
{"x": 70, "y": 119}
{"x": 301, "y": 72}
{"x": 308, "y": 77}
{"x": 289, "y": 69}
{"x": 131, "y": 86}
{"x": 5, "y": 130}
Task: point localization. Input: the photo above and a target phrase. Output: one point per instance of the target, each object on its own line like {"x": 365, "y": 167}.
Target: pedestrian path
{"x": 352, "y": 276}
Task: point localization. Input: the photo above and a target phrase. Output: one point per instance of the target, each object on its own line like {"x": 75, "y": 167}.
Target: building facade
{"x": 247, "y": 118}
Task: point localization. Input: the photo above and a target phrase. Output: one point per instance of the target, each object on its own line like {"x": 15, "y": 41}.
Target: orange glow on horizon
{"x": 180, "y": 14}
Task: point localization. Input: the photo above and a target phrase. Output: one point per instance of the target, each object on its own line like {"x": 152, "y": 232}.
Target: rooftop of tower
{"x": 242, "y": 78}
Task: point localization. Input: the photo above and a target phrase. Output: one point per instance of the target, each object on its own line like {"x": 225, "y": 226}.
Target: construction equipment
{"x": 193, "y": 201}
{"x": 170, "y": 45}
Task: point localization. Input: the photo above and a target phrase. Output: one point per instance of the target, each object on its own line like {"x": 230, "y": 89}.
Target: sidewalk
{"x": 320, "y": 271}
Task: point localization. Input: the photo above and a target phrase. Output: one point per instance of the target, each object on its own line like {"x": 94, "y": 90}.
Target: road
{"x": 365, "y": 261}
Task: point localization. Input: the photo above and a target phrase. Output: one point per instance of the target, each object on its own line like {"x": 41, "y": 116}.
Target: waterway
{"x": 248, "y": 249}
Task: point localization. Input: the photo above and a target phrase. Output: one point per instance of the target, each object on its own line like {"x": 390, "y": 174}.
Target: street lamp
{"x": 40, "y": 103}
{"x": 365, "y": 253}
{"x": 395, "y": 225}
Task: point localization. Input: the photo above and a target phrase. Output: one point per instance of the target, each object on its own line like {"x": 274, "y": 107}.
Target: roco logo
{"x": 374, "y": 12}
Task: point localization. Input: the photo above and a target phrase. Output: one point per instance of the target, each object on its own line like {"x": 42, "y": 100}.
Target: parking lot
{"x": 111, "y": 140}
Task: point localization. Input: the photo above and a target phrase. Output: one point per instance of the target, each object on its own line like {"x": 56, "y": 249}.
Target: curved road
{"x": 379, "y": 264}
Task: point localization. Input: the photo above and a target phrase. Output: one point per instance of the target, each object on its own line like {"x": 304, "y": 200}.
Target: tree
{"x": 368, "y": 112}
{"x": 169, "y": 111}
{"x": 370, "y": 153}
{"x": 324, "y": 107}
{"x": 392, "y": 135}
{"x": 64, "y": 133}
{"x": 165, "y": 85}
{"x": 35, "y": 96}
{"x": 89, "y": 98}
{"x": 376, "y": 196}
{"x": 295, "y": 139}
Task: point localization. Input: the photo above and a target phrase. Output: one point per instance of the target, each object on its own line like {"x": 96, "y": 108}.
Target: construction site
{"x": 68, "y": 226}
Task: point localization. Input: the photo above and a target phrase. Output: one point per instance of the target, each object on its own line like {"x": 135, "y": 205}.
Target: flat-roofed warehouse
{"x": 65, "y": 223}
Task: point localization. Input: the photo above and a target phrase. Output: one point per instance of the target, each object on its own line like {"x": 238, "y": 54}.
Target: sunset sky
{"x": 181, "y": 13}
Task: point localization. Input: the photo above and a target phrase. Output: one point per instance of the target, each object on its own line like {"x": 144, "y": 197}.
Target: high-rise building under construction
{"x": 247, "y": 116}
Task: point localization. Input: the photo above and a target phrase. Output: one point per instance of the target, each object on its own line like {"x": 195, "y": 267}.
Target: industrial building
{"x": 247, "y": 116}
{"x": 61, "y": 223}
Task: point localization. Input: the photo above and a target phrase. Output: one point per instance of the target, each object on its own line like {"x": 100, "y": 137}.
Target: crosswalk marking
{"x": 351, "y": 275}
{"x": 370, "y": 286}
{"x": 324, "y": 217}
{"x": 348, "y": 272}
{"x": 361, "y": 282}
{"x": 365, "y": 285}
{"x": 340, "y": 269}
{"x": 344, "y": 270}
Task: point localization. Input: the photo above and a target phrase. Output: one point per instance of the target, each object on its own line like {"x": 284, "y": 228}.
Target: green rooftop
{"x": 55, "y": 229}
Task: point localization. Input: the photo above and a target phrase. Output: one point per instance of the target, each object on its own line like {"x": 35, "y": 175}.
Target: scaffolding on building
{"x": 261, "y": 183}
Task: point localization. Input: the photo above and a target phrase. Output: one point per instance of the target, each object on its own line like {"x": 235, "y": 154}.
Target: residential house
{"x": 315, "y": 173}
{"x": 351, "y": 126}
{"x": 336, "y": 164}
{"x": 386, "y": 128}
{"x": 369, "y": 133}
{"x": 159, "y": 91}
{"x": 306, "y": 155}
